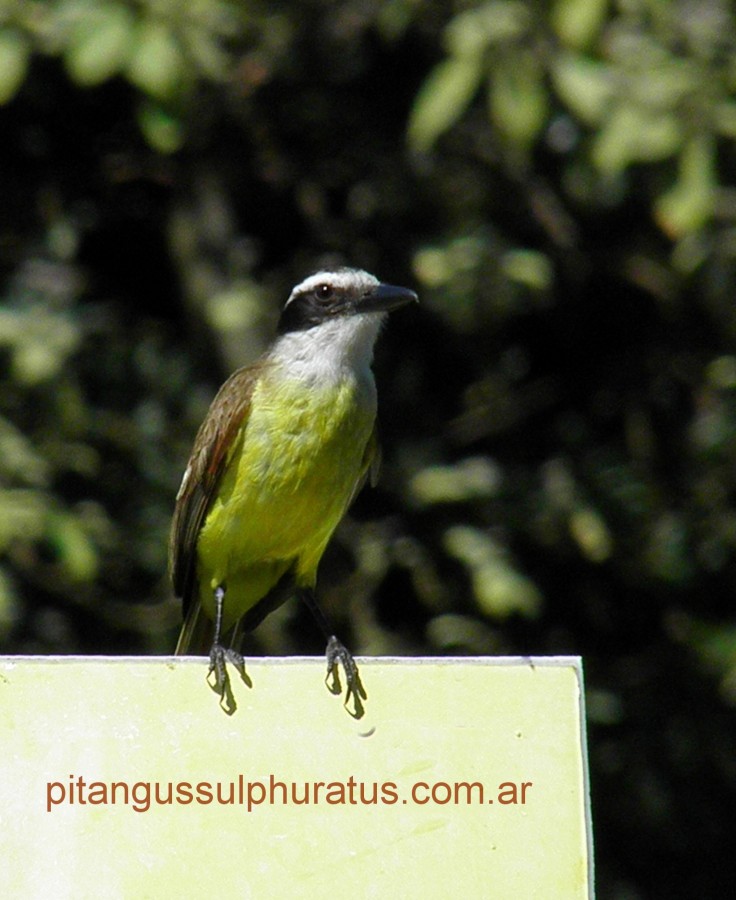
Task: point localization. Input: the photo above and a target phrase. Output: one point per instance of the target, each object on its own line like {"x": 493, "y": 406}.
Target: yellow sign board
{"x": 124, "y": 778}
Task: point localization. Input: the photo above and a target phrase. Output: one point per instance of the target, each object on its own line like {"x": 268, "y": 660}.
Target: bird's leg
{"x": 220, "y": 655}
{"x": 338, "y": 654}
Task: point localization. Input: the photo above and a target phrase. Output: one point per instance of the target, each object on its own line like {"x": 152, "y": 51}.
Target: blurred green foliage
{"x": 558, "y": 417}
{"x": 161, "y": 48}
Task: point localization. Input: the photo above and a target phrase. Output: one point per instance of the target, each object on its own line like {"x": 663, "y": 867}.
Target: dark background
{"x": 558, "y": 416}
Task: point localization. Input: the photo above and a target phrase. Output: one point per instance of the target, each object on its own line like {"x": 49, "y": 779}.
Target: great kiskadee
{"x": 286, "y": 445}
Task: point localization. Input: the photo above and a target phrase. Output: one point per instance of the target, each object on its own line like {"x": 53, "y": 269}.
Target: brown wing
{"x": 209, "y": 455}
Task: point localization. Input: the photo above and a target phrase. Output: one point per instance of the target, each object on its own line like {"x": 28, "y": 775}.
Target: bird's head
{"x": 340, "y": 294}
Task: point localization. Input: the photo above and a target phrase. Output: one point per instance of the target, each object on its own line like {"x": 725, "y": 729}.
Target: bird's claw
{"x": 339, "y": 655}
{"x": 219, "y": 656}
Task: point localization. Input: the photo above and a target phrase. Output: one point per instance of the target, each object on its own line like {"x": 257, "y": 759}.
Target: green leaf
{"x": 518, "y": 98}
{"x": 157, "y": 65}
{"x": 590, "y": 532}
{"x": 498, "y": 22}
{"x": 667, "y": 555}
{"x": 162, "y": 129}
{"x": 688, "y": 205}
{"x": 442, "y": 99}
{"x": 76, "y": 552}
{"x": 10, "y": 608}
{"x": 632, "y": 134}
{"x": 725, "y": 119}
{"x": 21, "y": 461}
{"x": 22, "y": 515}
{"x": 500, "y": 589}
{"x": 665, "y": 85}
{"x": 15, "y": 51}
{"x": 578, "y": 22}
{"x": 209, "y": 56}
{"x": 471, "y": 479}
{"x": 100, "y": 44}
{"x": 528, "y": 267}
{"x": 584, "y": 85}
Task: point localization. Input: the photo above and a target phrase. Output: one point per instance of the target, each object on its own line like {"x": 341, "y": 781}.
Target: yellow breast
{"x": 290, "y": 475}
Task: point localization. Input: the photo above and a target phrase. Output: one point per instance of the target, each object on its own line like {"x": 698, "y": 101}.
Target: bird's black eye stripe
{"x": 314, "y": 305}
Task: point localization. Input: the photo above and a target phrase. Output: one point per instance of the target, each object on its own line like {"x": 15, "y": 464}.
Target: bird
{"x": 286, "y": 445}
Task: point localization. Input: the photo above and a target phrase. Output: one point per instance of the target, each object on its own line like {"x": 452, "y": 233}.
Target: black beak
{"x": 386, "y": 297}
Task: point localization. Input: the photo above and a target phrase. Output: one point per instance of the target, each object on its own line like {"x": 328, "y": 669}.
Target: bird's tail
{"x": 198, "y": 630}
{"x": 196, "y": 634}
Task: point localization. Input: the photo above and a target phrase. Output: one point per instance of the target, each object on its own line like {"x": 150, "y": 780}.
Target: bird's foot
{"x": 219, "y": 656}
{"x": 338, "y": 654}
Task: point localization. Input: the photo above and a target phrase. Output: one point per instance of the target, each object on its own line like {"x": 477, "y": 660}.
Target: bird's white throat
{"x": 329, "y": 352}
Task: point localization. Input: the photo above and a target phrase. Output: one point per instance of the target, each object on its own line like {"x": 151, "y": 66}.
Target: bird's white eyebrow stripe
{"x": 341, "y": 278}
